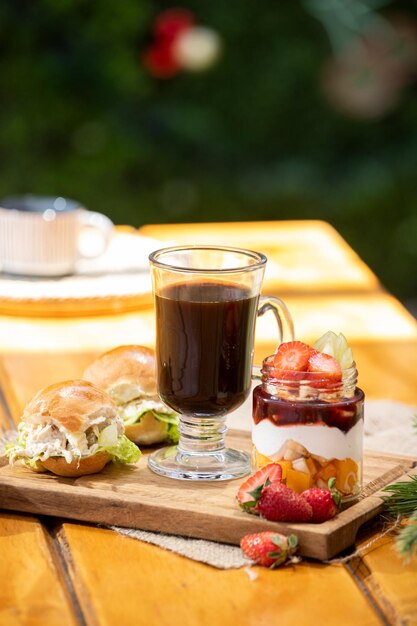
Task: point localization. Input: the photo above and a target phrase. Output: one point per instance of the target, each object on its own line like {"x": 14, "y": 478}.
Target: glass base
{"x": 224, "y": 464}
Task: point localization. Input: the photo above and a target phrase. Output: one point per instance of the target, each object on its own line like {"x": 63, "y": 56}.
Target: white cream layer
{"x": 326, "y": 441}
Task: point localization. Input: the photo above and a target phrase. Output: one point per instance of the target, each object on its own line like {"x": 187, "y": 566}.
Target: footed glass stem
{"x": 201, "y": 453}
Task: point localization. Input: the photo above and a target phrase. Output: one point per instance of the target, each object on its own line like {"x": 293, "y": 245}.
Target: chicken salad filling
{"x": 39, "y": 442}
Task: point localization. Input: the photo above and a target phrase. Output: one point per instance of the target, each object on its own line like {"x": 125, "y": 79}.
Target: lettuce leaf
{"x": 132, "y": 419}
{"x": 131, "y": 415}
{"x": 33, "y": 464}
{"x": 123, "y": 450}
{"x": 173, "y": 434}
{"x": 12, "y": 448}
{"x": 170, "y": 419}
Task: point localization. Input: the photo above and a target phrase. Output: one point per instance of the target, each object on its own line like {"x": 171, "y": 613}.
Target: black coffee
{"x": 204, "y": 346}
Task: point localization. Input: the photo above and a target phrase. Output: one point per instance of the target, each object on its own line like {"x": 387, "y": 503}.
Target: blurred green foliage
{"x": 253, "y": 138}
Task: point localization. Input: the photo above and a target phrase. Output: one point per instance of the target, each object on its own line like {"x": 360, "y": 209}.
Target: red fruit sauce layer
{"x": 343, "y": 414}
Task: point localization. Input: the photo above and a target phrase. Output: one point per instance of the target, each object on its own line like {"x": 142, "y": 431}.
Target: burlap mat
{"x": 220, "y": 555}
{"x": 388, "y": 428}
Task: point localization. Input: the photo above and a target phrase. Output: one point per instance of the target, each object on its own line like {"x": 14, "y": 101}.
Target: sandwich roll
{"x": 128, "y": 375}
{"x": 71, "y": 428}
{"x": 78, "y": 467}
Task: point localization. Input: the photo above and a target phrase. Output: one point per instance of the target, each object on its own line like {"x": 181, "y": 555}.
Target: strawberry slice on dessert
{"x": 250, "y": 491}
{"x": 324, "y": 364}
{"x": 291, "y": 356}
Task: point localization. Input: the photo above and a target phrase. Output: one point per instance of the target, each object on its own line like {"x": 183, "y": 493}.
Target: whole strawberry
{"x": 268, "y": 548}
{"x": 279, "y": 503}
{"x": 324, "y": 502}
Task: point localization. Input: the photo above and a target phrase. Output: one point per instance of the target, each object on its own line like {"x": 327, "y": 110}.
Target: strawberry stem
{"x": 256, "y": 493}
{"x": 292, "y": 541}
{"x": 331, "y": 483}
{"x": 335, "y": 493}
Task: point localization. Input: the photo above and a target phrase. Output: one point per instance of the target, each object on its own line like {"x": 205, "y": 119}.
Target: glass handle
{"x": 283, "y": 319}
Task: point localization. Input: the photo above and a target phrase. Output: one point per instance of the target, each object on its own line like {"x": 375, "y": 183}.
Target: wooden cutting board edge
{"x": 320, "y": 541}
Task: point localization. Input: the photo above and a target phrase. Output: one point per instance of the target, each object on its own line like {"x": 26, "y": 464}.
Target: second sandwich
{"x": 128, "y": 375}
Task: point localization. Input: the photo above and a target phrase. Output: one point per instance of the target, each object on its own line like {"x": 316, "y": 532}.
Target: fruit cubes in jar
{"x": 311, "y": 426}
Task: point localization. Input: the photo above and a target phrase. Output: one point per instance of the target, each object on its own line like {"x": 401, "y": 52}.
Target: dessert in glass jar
{"x": 308, "y": 415}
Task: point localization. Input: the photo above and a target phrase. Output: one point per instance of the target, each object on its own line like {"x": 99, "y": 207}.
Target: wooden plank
{"x": 59, "y": 350}
{"x": 27, "y": 564}
{"x": 392, "y": 580}
{"x": 32, "y": 589}
{"x": 303, "y": 256}
{"x": 22, "y": 375}
{"x": 367, "y": 319}
{"x": 387, "y": 369}
{"x": 10, "y": 408}
{"x": 25, "y": 335}
{"x": 387, "y": 578}
{"x": 6, "y": 417}
{"x": 150, "y": 585}
{"x": 136, "y": 497}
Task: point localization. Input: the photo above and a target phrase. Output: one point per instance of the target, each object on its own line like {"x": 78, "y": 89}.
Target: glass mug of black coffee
{"x": 207, "y": 299}
{"x": 47, "y": 235}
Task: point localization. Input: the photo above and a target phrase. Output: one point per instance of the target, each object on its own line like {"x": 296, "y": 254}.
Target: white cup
{"x": 46, "y": 236}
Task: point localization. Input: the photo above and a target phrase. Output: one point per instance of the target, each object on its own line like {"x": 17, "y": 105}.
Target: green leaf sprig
{"x": 403, "y": 502}
{"x": 403, "y": 498}
{"x": 406, "y": 541}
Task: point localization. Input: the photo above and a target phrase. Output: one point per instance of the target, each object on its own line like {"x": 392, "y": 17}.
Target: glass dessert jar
{"x": 311, "y": 426}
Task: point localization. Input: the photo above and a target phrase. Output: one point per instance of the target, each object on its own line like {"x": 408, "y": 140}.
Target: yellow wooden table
{"x": 53, "y": 572}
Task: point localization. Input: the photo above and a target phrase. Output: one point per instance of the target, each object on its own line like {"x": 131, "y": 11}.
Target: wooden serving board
{"x": 135, "y": 497}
